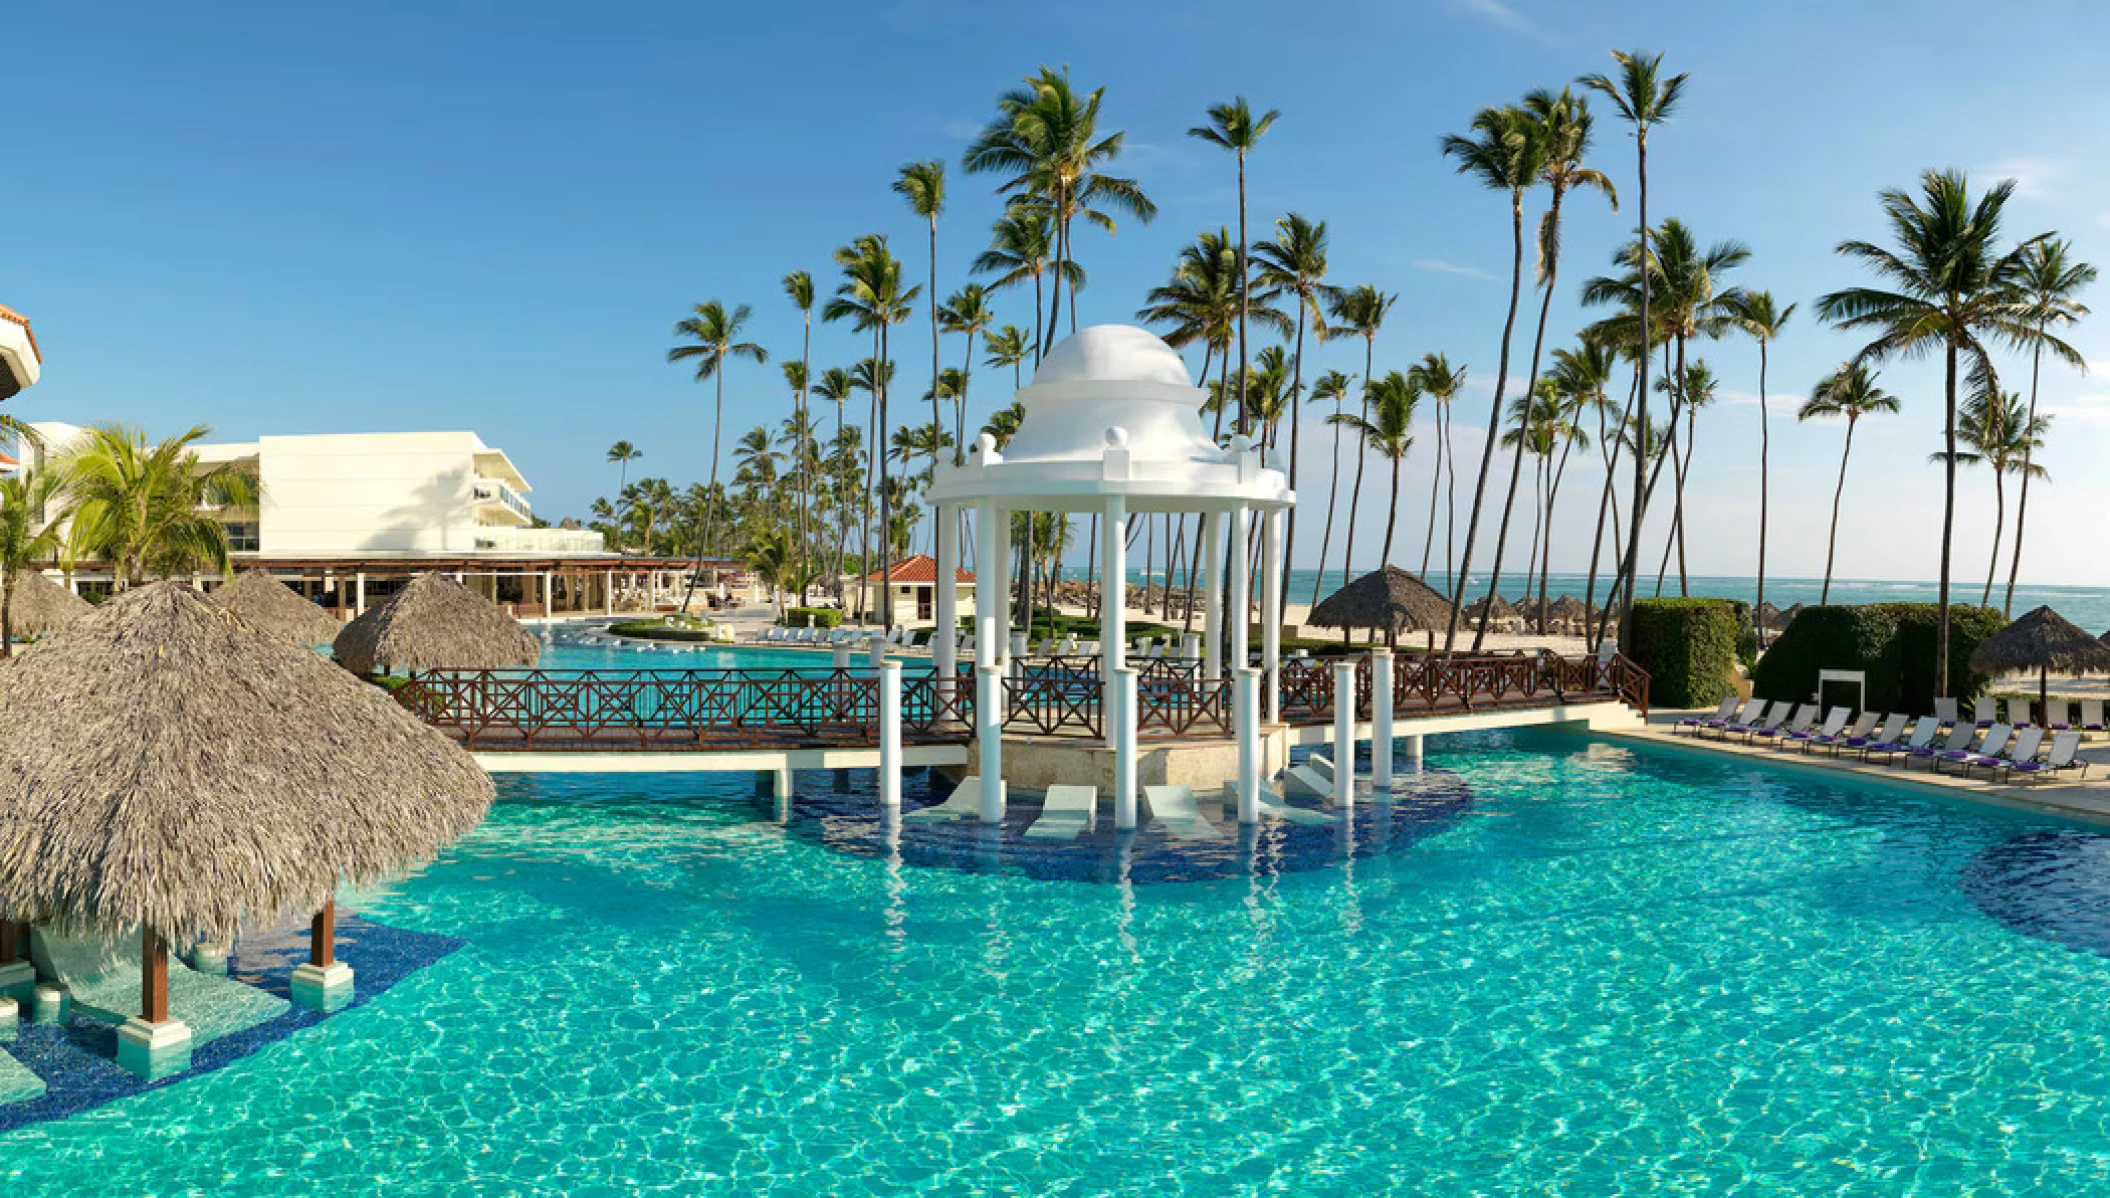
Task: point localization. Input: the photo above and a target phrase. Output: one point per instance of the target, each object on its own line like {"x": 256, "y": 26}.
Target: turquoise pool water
{"x": 1612, "y": 971}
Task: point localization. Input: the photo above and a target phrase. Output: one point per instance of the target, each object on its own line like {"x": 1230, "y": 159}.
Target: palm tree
{"x": 1359, "y": 311}
{"x": 1694, "y": 387}
{"x": 1999, "y": 432}
{"x": 151, "y": 506}
{"x": 1505, "y": 153}
{"x": 1761, "y": 319}
{"x": 1582, "y": 377}
{"x": 798, "y": 287}
{"x": 1294, "y": 264}
{"x": 24, "y": 500}
{"x": 623, "y": 453}
{"x": 1953, "y": 288}
{"x": 1045, "y": 141}
{"x": 1389, "y": 429}
{"x": 1849, "y": 391}
{"x": 1022, "y": 247}
{"x": 1438, "y": 381}
{"x": 1233, "y": 127}
{"x": 1644, "y": 100}
{"x": 968, "y": 314}
{"x": 716, "y": 337}
{"x": 1007, "y": 347}
{"x": 872, "y": 298}
{"x": 923, "y": 185}
{"x": 1532, "y": 430}
{"x": 2050, "y": 281}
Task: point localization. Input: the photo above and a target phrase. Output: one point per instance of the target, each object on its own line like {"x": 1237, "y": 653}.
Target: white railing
{"x": 538, "y": 540}
{"x": 492, "y": 490}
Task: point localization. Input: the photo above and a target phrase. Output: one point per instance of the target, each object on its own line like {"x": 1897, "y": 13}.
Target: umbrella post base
{"x": 153, "y": 1050}
{"x": 18, "y": 980}
{"x": 322, "y": 987}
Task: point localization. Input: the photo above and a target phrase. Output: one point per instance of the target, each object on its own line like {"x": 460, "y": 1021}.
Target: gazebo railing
{"x": 1052, "y": 706}
{"x": 1197, "y": 707}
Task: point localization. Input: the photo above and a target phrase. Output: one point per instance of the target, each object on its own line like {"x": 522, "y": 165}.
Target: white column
{"x": 998, "y": 647}
{"x": 988, "y": 735}
{"x": 1412, "y": 747}
{"x": 1344, "y": 730}
{"x": 890, "y": 735}
{"x": 1113, "y": 627}
{"x": 1381, "y": 719}
{"x": 1124, "y": 715}
{"x": 549, "y": 596}
{"x": 1235, "y": 609}
{"x": 608, "y": 592}
{"x": 946, "y": 608}
{"x": 1212, "y": 595}
{"x": 359, "y": 594}
{"x": 1245, "y": 708}
{"x": 1271, "y": 528}
{"x": 988, "y": 583}
{"x": 841, "y": 650}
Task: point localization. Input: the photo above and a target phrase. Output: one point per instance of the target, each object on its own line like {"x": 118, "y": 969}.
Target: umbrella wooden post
{"x": 151, "y": 1045}
{"x": 322, "y": 982}
{"x": 18, "y": 978}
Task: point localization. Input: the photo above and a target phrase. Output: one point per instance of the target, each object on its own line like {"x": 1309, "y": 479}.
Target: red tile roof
{"x": 921, "y": 569}
{"x": 7, "y": 313}
{"x": 7, "y": 463}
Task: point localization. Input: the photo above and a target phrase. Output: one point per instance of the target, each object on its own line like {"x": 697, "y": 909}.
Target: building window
{"x": 243, "y": 538}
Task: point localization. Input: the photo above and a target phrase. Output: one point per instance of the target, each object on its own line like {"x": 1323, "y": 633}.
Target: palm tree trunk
{"x": 1538, "y": 343}
{"x": 1692, "y": 446}
{"x": 1392, "y": 517}
{"x": 1553, "y": 490}
{"x": 886, "y": 513}
{"x": 1831, "y": 542}
{"x": 1765, "y": 443}
{"x": 1245, "y": 276}
{"x": 7, "y": 616}
{"x": 1036, "y": 330}
{"x": 937, "y": 418}
{"x": 1538, "y": 508}
{"x": 1999, "y": 525}
{"x": 1362, "y": 452}
{"x": 1626, "y": 598}
{"x": 1494, "y": 425}
{"x": 1948, "y": 525}
{"x": 1428, "y": 541}
{"x": 1450, "y": 498}
{"x": 1606, "y": 503}
{"x": 2007, "y": 605}
{"x": 1296, "y": 416}
{"x": 1333, "y": 499}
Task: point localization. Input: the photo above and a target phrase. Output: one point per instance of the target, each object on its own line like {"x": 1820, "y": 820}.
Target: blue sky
{"x": 349, "y": 218}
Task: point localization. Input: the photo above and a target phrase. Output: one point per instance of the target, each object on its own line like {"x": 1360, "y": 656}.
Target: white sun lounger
{"x": 1173, "y": 809}
{"x": 1321, "y": 764}
{"x": 965, "y": 802}
{"x": 2091, "y": 717}
{"x": 1286, "y": 812}
{"x": 1088, "y": 649}
{"x": 104, "y": 979}
{"x": 1945, "y": 710}
{"x": 1986, "y": 712}
{"x": 967, "y": 647}
{"x": 1065, "y": 812}
{"x": 1304, "y": 780}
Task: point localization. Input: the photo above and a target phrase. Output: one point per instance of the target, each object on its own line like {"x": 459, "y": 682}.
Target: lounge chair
{"x": 1156, "y": 653}
{"x": 1863, "y": 724}
{"x": 1892, "y": 727}
{"x": 1719, "y": 719}
{"x": 104, "y": 978}
{"x": 1141, "y": 645}
{"x": 1922, "y": 736}
{"x": 1068, "y": 647}
{"x": 1088, "y": 649}
{"x": 1173, "y": 809}
{"x": 1986, "y": 712}
{"x": 967, "y": 647}
{"x": 912, "y": 640}
{"x": 1306, "y": 779}
{"x": 2064, "y": 746}
{"x": 1065, "y": 812}
{"x": 1281, "y": 811}
{"x": 1804, "y": 716}
{"x": 2058, "y": 715}
{"x": 965, "y": 802}
{"x": 2091, "y": 717}
{"x": 2027, "y": 742}
{"x": 1996, "y": 738}
{"x": 1775, "y": 716}
{"x": 1961, "y": 734}
{"x": 1046, "y": 648}
{"x": 1945, "y": 711}
{"x": 1834, "y": 724}
{"x": 1747, "y": 715}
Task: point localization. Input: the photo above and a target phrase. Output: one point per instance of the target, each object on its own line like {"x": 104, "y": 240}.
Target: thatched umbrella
{"x": 1491, "y": 607}
{"x": 1568, "y": 608}
{"x": 268, "y": 603}
{"x": 41, "y": 605}
{"x": 1768, "y": 616}
{"x": 1388, "y": 599}
{"x": 2043, "y": 641}
{"x": 435, "y": 623}
{"x": 1788, "y": 617}
{"x": 173, "y": 768}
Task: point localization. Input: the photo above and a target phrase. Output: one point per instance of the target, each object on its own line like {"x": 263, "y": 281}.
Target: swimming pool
{"x": 1613, "y": 969}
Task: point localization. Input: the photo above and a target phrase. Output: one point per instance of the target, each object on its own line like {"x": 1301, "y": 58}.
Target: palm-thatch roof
{"x": 1491, "y": 607}
{"x": 2042, "y": 641}
{"x": 1788, "y": 617}
{"x": 1768, "y": 616}
{"x": 268, "y": 603}
{"x": 435, "y": 623}
{"x": 169, "y": 765}
{"x": 1389, "y": 599}
{"x": 42, "y": 605}
{"x": 1567, "y": 607}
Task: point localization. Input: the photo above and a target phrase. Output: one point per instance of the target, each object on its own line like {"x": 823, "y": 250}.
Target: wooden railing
{"x": 1053, "y": 705}
{"x": 1429, "y": 684}
{"x": 1168, "y": 710}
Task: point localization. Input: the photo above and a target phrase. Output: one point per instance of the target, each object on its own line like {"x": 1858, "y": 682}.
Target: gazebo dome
{"x": 1112, "y": 376}
{"x": 1112, "y": 353}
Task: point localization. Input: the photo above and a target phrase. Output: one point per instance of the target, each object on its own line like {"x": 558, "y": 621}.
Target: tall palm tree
{"x": 1952, "y": 288}
{"x": 1998, "y": 431}
{"x": 714, "y": 334}
{"x": 623, "y": 453}
{"x": 1575, "y": 392}
{"x": 1332, "y": 385}
{"x": 966, "y": 313}
{"x": 1045, "y": 143}
{"x": 1849, "y": 391}
{"x": 1359, "y": 311}
{"x": 1505, "y": 153}
{"x": 26, "y": 536}
{"x": 1438, "y": 381}
{"x": 1233, "y": 127}
{"x": 1387, "y": 426}
{"x": 1594, "y": 362}
{"x": 922, "y": 184}
{"x": 1695, "y": 387}
{"x": 1532, "y": 421}
{"x": 872, "y": 298}
{"x": 1761, "y": 319}
{"x": 151, "y": 506}
{"x": 2051, "y": 278}
{"x": 1007, "y": 347}
{"x": 798, "y": 287}
{"x": 1022, "y": 247}
{"x": 1563, "y": 135}
{"x": 1293, "y": 264}
{"x": 1643, "y": 99}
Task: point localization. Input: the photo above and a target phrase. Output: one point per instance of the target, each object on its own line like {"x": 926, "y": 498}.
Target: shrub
{"x": 1688, "y": 647}
{"x": 1892, "y": 643}
{"x": 813, "y": 617}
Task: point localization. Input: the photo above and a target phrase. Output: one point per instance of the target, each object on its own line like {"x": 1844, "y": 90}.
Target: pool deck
{"x": 2084, "y": 799}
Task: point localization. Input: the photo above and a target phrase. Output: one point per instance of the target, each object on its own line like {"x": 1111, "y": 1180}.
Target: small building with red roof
{"x": 912, "y": 583}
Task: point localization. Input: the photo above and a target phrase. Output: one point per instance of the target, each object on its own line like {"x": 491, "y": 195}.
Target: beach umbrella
{"x": 268, "y": 603}
{"x": 435, "y": 623}
{"x": 2043, "y": 641}
{"x": 173, "y": 768}
{"x": 1491, "y": 607}
{"x": 1568, "y": 608}
{"x": 1388, "y": 599}
{"x": 1788, "y": 617}
{"x": 42, "y": 605}
{"x": 1768, "y": 616}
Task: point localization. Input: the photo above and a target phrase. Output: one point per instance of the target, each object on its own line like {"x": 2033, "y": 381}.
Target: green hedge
{"x": 1688, "y": 647}
{"x": 1893, "y": 643}
{"x": 811, "y": 617}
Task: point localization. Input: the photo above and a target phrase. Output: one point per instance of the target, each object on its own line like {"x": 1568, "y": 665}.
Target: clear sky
{"x": 396, "y": 216}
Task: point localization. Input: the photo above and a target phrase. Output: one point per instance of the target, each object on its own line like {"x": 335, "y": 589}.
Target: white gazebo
{"x": 1113, "y": 428}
